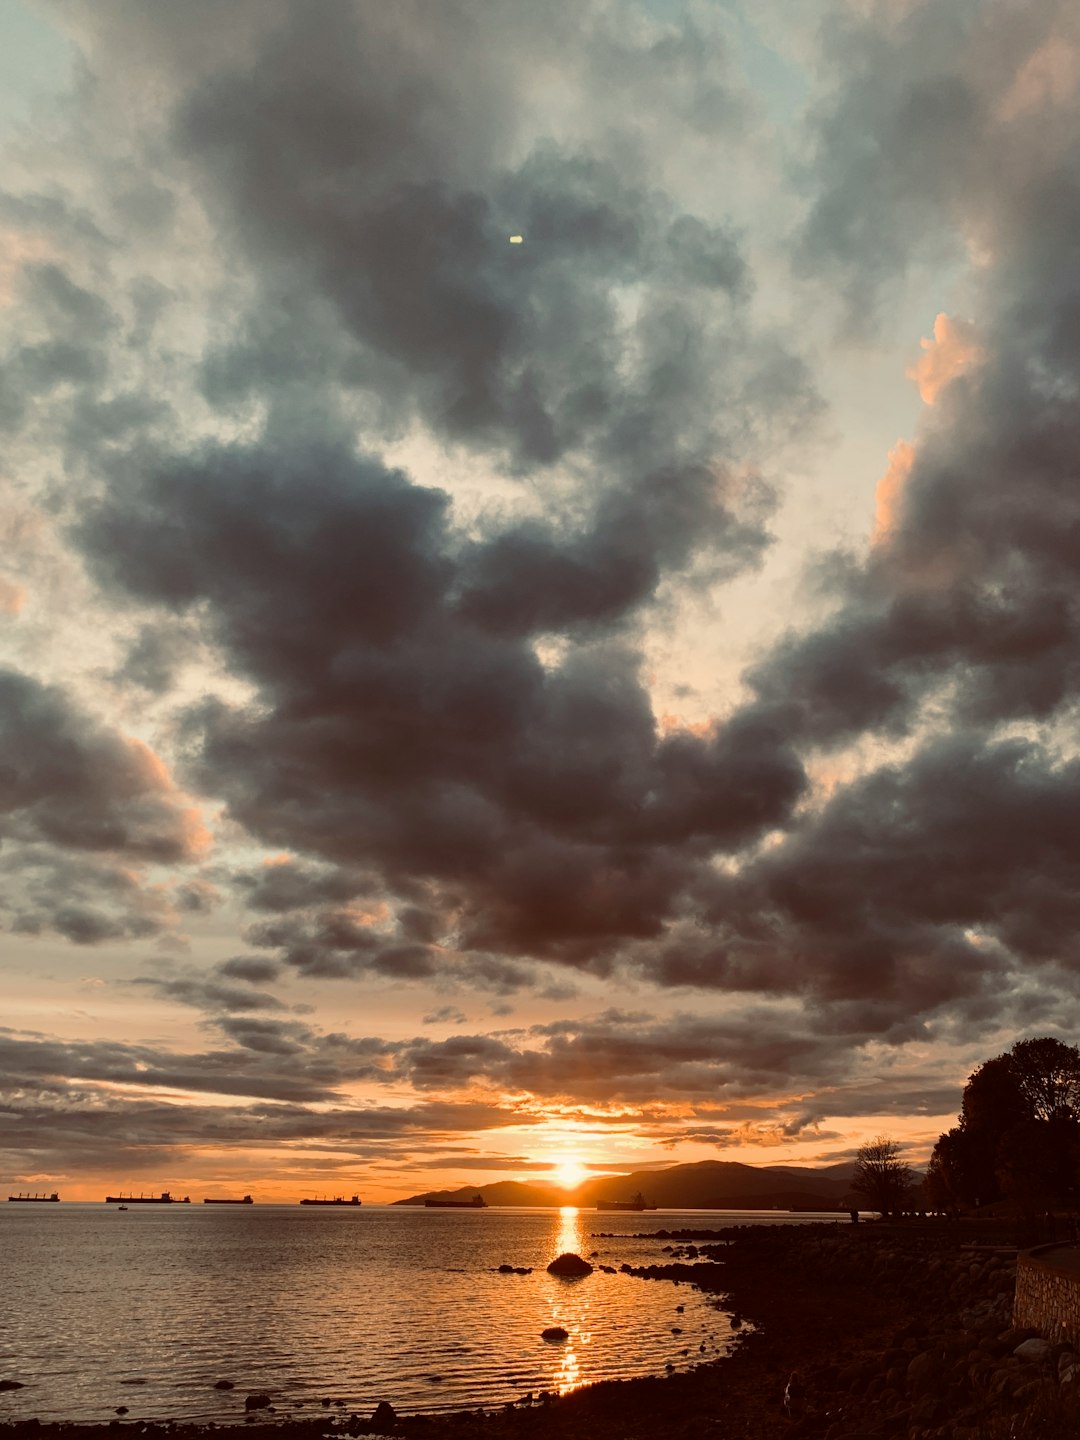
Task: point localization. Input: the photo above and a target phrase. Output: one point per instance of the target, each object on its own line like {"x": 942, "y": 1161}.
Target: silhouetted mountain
{"x": 706, "y": 1185}
{"x": 502, "y": 1192}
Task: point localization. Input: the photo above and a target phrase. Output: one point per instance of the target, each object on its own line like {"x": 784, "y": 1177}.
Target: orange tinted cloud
{"x": 952, "y": 350}
{"x": 152, "y": 771}
{"x": 12, "y": 597}
{"x": 890, "y": 488}
{"x": 1049, "y": 77}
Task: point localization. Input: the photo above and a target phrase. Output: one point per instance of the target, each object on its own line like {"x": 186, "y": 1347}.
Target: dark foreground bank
{"x": 851, "y": 1332}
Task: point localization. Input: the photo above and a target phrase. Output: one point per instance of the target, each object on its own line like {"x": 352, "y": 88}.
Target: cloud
{"x": 890, "y": 488}
{"x": 401, "y": 735}
{"x": 952, "y": 351}
{"x": 74, "y": 784}
{"x": 12, "y": 597}
{"x": 83, "y": 812}
{"x": 423, "y": 688}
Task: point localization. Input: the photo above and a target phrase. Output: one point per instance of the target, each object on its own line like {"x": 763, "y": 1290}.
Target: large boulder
{"x": 384, "y": 1420}
{"x": 570, "y": 1266}
{"x": 554, "y": 1332}
{"x": 1036, "y": 1349}
{"x": 258, "y": 1401}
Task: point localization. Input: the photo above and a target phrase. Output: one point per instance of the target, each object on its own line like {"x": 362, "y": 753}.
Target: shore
{"x": 849, "y": 1332}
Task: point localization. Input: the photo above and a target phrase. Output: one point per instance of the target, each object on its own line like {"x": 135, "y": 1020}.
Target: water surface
{"x": 148, "y": 1308}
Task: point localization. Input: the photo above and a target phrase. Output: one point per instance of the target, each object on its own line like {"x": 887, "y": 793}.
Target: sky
{"x": 538, "y": 608}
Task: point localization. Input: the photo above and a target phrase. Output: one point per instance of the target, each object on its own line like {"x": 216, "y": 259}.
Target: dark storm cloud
{"x": 617, "y": 1058}
{"x": 51, "y": 1066}
{"x": 255, "y": 969}
{"x": 437, "y": 787}
{"x": 450, "y": 733}
{"x": 83, "y": 811}
{"x": 916, "y": 887}
{"x": 287, "y": 884}
{"x": 209, "y": 994}
{"x": 398, "y": 734}
{"x": 70, "y": 782}
{"x": 355, "y": 173}
{"x": 940, "y": 888}
{"x": 154, "y": 657}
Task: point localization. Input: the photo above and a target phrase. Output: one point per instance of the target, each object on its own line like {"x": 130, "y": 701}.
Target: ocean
{"x": 151, "y": 1307}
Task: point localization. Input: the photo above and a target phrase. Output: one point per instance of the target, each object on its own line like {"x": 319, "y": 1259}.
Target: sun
{"x": 569, "y": 1172}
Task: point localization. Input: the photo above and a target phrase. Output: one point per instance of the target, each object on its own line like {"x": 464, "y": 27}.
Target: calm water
{"x": 150, "y": 1307}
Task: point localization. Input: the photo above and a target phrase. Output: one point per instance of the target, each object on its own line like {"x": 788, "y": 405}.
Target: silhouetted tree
{"x": 881, "y": 1177}
{"x": 1048, "y": 1074}
{"x": 1019, "y": 1130}
{"x": 946, "y": 1180}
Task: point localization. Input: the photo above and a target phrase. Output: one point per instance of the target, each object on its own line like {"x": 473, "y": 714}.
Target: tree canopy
{"x": 1018, "y": 1136}
{"x": 881, "y": 1177}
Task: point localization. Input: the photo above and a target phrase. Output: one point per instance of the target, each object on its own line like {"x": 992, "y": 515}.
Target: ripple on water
{"x": 379, "y": 1303}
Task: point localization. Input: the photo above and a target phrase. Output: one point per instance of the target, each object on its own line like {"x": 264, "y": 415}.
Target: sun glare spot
{"x": 569, "y": 1173}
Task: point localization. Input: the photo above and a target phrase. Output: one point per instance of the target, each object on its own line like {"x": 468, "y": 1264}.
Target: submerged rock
{"x": 570, "y": 1265}
{"x": 224, "y": 1385}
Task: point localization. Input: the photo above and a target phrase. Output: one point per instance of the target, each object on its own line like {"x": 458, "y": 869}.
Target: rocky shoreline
{"x": 851, "y": 1332}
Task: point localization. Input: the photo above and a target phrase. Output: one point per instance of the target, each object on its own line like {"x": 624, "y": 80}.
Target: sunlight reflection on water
{"x": 391, "y": 1303}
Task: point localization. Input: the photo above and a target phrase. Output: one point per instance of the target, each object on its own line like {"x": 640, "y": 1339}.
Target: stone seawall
{"x": 1048, "y": 1292}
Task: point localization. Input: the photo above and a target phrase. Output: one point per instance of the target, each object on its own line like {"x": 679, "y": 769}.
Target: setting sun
{"x": 569, "y": 1173}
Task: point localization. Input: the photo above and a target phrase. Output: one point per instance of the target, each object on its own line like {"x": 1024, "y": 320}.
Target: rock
{"x": 924, "y": 1373}
{"x": 224, "y": 1385}
{"x": 121, "y": 1410}
{"x": 1036, "y": 1350}
{"x": 1014, "y": 1337}
{"x": 555, "y": 1332}
{"x": 384, "y": 1420}
{"x": 259, "y": 1401}
{"x": 570, "y": 1266}
{"x": 926, "y": 1410}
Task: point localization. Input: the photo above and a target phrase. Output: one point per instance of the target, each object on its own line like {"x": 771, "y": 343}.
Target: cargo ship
{"x": 637, "y": 1203}
{"x": 163, "y": 1199}
{"x": 54, "y": 1197}
{"x": 337, "y": 1200}
{"x": 247, "y": 1200}
{"x": 476, "y": 1203}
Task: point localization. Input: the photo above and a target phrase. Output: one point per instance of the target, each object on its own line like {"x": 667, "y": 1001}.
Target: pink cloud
{"x": 952, "y": 350}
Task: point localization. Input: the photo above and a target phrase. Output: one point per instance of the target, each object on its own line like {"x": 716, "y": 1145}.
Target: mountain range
{"x": 706, "y": 1185}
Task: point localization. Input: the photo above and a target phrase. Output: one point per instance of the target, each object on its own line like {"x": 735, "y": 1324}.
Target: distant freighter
{"x": 476, "y": 1203}
{"x": 637, "y": 1203}
{"x": 163, "y": 1199}
{"x": 337, "y": 1200}
{"x": 247, "y": 1200}
{"x": 46, "y": 1198}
